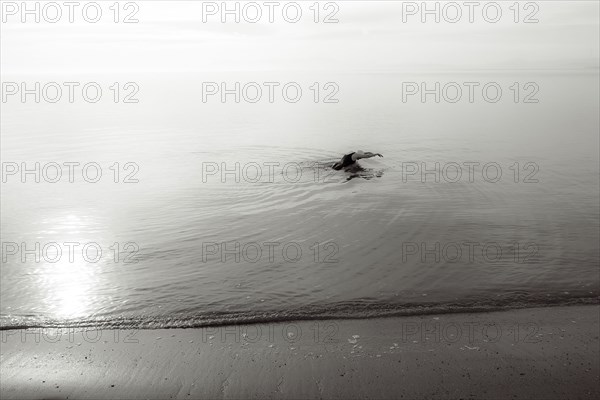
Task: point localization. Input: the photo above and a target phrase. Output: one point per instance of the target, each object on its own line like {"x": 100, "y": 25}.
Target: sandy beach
{"x": 541, "y": 353}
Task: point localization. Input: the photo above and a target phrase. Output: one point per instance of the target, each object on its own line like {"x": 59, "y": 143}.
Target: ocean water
{"x": 510, "y": 219}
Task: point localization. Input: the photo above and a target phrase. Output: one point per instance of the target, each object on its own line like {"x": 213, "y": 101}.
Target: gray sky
{"x": 369, "y": 37}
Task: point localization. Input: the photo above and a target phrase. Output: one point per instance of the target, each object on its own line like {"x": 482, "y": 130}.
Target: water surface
{"x": 299, "y": 240}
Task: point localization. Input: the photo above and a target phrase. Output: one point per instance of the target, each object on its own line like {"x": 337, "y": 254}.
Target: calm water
{"x": 312, "y": 243}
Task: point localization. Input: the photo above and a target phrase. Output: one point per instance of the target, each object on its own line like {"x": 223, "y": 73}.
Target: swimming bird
{"x": 352, "y": 158}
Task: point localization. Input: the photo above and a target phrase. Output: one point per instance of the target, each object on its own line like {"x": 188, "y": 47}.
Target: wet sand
{"x": 542, "y": 353}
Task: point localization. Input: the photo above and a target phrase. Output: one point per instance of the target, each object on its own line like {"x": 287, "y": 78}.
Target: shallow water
{"x": 286, "y": 237}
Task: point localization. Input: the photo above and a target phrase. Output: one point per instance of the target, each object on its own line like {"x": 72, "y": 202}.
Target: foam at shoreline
{"x": 354, "y": 310}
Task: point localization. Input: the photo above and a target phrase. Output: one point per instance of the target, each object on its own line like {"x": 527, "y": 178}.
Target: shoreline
{"x": 406, "y": 312}
{"x": 523, "y": 353}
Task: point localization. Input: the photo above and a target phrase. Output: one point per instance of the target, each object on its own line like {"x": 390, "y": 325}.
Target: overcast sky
{"x": 369, "y": 37}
